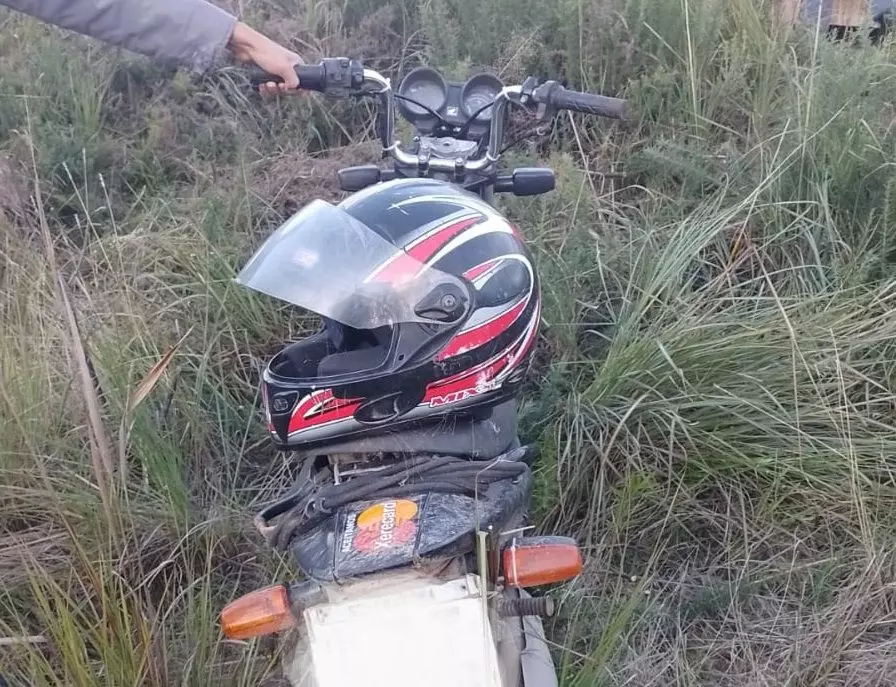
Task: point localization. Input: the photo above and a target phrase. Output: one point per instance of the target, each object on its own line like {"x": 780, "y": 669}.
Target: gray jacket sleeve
{"x": 191, "y": 33}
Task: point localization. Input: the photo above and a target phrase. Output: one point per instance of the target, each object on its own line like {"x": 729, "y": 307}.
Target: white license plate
{"x": 423, "y": 633}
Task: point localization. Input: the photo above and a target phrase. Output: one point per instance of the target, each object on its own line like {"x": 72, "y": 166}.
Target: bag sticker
{"x": 386, "y": 525}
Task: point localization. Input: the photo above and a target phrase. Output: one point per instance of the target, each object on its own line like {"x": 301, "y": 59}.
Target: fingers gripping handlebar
{"x": 311, "y": 77}
{"x": 342, "y": 77}
{"x": 335, "y": 76}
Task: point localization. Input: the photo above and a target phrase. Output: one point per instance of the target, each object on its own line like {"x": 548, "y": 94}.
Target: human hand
{"x": 250, "y": 46}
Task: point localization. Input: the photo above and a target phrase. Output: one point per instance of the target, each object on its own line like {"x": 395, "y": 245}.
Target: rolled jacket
{"x": 190, "y": 33}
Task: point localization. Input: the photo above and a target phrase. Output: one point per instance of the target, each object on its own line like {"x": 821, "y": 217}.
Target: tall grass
{"x": 713, "y": 397}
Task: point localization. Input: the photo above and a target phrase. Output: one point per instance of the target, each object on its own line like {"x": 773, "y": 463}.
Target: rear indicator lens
{"x": 537, "y": 561}
{"x": 258, "y": 613}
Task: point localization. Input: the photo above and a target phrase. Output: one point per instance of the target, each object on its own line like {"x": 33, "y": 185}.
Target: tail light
{"x": 537, "y": 561}
{"x": 258, "y": 613}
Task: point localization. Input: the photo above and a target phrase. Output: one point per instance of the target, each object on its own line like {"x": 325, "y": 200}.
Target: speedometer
{"x": 478, "y": 100}
{"x": 480, "y": 92}
{"x": 422, "y": 90}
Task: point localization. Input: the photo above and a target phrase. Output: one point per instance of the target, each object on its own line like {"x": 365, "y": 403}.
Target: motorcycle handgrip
{"x": 312, "y": 77}
{"x": 588, "y": 103}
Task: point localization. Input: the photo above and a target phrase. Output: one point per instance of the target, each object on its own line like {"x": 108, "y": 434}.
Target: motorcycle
{"x": 416, "y": 552}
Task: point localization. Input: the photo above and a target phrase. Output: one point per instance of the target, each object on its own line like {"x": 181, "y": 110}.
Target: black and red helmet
{"x": 430, "y": 304}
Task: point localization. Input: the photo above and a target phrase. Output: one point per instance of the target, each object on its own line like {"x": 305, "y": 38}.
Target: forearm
{"x": 191, "y": 33}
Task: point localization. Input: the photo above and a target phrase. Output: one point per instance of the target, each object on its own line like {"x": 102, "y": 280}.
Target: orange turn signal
{"x": 258, "y": 613}
{"x": 536, "y": 561}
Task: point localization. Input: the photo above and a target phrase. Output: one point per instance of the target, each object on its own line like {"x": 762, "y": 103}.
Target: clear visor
{"x": 328, "y": 262}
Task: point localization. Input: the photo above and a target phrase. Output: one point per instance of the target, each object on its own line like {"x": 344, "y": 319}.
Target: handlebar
{"x": 341, "y": 77}
{"x": 555, "y": 95}
{"x": 312, "y": 77}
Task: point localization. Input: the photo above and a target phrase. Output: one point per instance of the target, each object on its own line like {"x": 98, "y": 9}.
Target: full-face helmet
{"x": 430, "y": 304}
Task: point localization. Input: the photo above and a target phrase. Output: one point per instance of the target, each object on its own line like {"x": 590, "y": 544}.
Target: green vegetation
{"x": 714, "y": 399}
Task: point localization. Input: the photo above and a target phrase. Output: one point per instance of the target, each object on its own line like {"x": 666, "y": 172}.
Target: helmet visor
{"x": 328, "y": 262}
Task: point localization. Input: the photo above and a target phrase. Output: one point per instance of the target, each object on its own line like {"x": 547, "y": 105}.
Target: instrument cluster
{"x": 454, "y": 102}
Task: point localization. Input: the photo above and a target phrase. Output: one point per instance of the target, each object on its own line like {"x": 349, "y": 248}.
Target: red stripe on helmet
{"x": 529, "y": 339}
{"x": 479, "y": 270}
{"x": 400, "y": 268}
{"x": 483, "y": 367}
{"x": 486, "y": 376}
{"x": 424, "y": 249}
{"x": 307, "y": 414}
{"x": 405, "y": 265}
{"x": 485, "y": 332}
{"x": 472, "y": 383}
